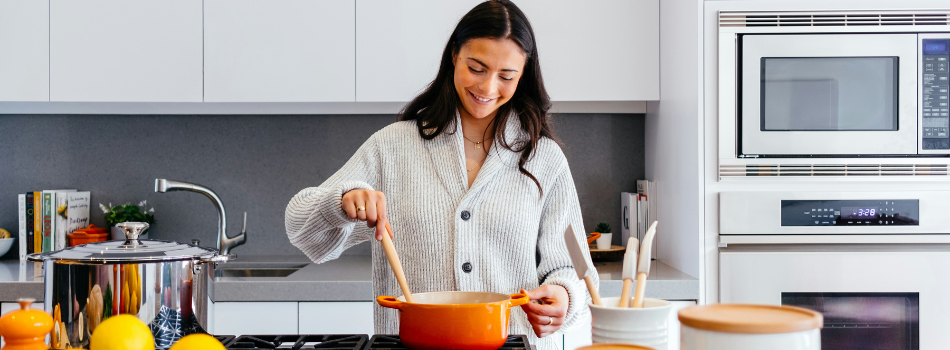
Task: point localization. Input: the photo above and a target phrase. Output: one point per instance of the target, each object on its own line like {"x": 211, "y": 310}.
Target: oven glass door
{"x": 864, "y": 320}
{"x": 805, "y": 95}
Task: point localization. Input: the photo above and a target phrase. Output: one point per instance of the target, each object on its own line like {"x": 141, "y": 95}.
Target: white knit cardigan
{"x": 512, "y": 237}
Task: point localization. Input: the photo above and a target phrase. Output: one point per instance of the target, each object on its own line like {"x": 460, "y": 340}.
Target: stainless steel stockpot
{"x": 165, "y": 284}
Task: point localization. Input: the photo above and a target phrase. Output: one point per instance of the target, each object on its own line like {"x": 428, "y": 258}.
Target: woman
{"x": 477, "y": 192}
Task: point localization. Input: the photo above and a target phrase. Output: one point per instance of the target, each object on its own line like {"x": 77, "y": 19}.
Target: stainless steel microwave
{"x": 813, "y": 85}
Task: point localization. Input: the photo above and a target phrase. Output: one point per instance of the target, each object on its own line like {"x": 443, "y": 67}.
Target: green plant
{"x": 602, "y": 228}
{"x": 128, "y": 213}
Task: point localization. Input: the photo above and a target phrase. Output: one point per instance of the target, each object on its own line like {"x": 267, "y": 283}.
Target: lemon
{"x": 122, "y": 332}
{"x": 5, "y": 234}
{"x": 197, "y": 341}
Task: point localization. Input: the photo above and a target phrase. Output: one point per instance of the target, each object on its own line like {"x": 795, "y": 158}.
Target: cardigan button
{"x": 466, "y": 215}
{"x": 467, "y": 267}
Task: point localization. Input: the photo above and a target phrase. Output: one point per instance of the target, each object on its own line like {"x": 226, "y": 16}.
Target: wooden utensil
{"x": 643, "y": 267}
{"x": 629, "y": 270}
{"x": 395, "y": 264}
{"x": 581, "y": 266}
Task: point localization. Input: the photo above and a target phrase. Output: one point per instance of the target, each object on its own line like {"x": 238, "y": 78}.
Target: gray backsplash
{"x": 256, "y": 164}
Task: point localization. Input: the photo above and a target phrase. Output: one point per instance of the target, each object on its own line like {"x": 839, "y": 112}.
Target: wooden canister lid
{"x": 751, "y": 319}
{"x": 606, "y": 346}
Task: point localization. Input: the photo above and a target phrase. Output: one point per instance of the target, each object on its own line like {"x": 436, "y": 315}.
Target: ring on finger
{"x": 360, "y": 208}
{"x": 550, "y": 320}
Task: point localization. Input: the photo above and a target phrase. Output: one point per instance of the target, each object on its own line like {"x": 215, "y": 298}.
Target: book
{"x": 47, "y": 221}
{"x": 37, "y": 222}
{"x": 77, "y": 211}
{"x": 58, "y": 228}
{"x": 21, "y": 216}
{"x": 29, "y": 223}
{"x": 646, "y": 211}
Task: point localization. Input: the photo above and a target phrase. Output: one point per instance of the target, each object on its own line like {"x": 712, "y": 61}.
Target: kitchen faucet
{"x": 225, "y": 243}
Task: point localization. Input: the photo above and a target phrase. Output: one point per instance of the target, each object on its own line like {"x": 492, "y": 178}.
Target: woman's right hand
{"x": 369, "y": 206}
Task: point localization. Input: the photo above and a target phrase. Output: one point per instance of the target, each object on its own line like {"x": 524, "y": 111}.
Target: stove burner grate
{"x": 392, "y": 342}
{"x": 300, "y": 342}
{"x": 224, "y": 339}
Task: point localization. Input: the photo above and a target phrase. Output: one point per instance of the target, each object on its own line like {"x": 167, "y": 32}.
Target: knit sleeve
{"x": 562, "y": 207}
{"x": 314, "y": 218}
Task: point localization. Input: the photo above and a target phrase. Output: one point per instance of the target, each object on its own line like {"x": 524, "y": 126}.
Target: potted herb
{"x": 127, "y": 213}
{"x": 603, "y": 242}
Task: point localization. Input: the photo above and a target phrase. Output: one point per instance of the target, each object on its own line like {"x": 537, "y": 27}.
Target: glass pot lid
{"x": 132, "y": 250}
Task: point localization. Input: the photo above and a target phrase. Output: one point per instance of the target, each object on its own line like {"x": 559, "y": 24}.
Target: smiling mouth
{"x": 479, "y": 98}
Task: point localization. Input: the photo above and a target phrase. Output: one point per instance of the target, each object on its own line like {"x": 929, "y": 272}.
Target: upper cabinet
{"x": 601, "y": 50}
{"x": 125, "y": 51}
{"x": 24, "y": 50}
{"x": 399, "y": 45}
{"x": 279, "y": 51}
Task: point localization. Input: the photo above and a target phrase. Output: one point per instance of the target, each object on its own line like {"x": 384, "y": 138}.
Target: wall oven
{"x": 860, "y": 86}
{"x": 846, "y": 255}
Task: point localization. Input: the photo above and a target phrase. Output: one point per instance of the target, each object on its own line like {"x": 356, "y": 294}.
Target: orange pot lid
{"x": 607, "y": 346}
{"x": 750, "y": 319}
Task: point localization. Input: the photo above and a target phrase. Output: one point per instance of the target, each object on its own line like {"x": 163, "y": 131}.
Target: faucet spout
{"x": 225, "y": 243}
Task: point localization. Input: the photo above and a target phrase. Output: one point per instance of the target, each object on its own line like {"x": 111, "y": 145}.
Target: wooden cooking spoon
{"x": 395, "y": 264}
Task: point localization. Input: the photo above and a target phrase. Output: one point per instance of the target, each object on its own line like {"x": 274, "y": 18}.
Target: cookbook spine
{"x": 60, "y": 222}
{"x": 21, "y": 215}
{"x": 29, "y": 223}
{"x": 37, "y": 222}
{"x": 47, "y": 221}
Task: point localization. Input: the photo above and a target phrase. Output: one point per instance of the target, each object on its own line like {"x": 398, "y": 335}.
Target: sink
{"x": 257, "y": 271}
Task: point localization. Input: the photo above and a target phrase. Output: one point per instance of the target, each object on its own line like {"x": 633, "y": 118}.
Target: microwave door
{"x": 818, "y": 95}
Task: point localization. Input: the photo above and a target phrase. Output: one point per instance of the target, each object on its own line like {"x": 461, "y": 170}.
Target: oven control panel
{"x": 884, "y": 212}
{"x": 935, "y": 80}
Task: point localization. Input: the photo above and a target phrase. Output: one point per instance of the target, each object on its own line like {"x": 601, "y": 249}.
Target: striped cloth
{"x": 513, "y": 239}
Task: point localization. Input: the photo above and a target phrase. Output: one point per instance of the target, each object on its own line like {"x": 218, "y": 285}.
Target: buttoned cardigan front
{"x": 501, "y": 235}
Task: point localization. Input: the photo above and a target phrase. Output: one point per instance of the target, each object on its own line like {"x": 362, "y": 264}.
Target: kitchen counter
{"x": 348, "y": 278}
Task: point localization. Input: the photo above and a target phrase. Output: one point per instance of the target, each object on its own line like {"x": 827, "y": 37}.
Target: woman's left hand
{"x": 547, "y": 309}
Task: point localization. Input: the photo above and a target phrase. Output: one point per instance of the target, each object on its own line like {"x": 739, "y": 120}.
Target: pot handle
{"x": 390, "y": 302}
{"x": 220, "y": 258}
{"x": 519, "y": 299}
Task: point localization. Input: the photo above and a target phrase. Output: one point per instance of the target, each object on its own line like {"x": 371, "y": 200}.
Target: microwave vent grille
{"x": 832, "y": 18}
{"x": 832, "y": 170}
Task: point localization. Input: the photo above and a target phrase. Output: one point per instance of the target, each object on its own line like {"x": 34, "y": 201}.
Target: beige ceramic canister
{"x": 605, "y": 346}
{"x": 742, "y": 327}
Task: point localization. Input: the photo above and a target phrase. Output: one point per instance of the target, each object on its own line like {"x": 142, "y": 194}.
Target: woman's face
{"x": 487, "y": 73}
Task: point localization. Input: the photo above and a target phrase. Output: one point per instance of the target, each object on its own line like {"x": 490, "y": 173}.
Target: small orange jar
{"x": 25, "y": 329}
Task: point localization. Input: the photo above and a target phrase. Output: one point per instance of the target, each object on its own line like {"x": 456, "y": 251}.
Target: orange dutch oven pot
{"x": 454, "y": 320}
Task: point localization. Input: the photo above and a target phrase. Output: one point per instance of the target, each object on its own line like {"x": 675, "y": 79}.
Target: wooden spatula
{"x": 395, "y": 264}
{"x": 583, "y": 269}
{"x": 643, "y": 266}
{"x": 629, "y": 270}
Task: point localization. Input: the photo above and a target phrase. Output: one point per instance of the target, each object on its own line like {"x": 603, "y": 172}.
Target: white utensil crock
{"x": 647, "y": 326}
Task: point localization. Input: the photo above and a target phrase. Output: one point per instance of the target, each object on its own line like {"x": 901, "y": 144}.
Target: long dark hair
{"x": 434, "y": 110}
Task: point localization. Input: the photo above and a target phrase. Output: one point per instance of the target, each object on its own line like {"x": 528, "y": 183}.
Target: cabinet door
{"x": 353, "y": 317}
{"x": 600, "y": 50}
{"x": 279, "y": 51}
{"x": 255, "y": 318}
{"x": 399, "y": 45}
{"x": 125, "y": 51}
{"x": 24, "y": 50}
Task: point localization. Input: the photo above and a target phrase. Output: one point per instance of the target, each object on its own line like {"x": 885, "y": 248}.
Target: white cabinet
{"x": 125, "y": 51}
{"x": 279, "y": 51}
{"x": 354, "y": 317}
{"x": 399, "y": 45}
{"x": 601, "y": 50}
{"x": 249, "y": 318}
{"x": 581, "y": 336}
{"x": 24, "y": 50}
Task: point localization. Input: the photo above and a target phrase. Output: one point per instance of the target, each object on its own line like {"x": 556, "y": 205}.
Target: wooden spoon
{"x": 395, "y": 264}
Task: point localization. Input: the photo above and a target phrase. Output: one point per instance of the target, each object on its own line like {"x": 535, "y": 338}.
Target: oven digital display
{"x": 884, "y": 212}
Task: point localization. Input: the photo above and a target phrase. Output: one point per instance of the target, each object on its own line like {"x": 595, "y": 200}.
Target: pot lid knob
{"x": 132, "y": 231}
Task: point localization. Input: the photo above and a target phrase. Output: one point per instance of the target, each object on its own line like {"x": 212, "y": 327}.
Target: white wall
{"x": 674, "y": 136}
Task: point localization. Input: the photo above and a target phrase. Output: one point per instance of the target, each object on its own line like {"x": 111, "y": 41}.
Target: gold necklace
{"x": 477, "y": 144}
{"x": 474, "y": 167}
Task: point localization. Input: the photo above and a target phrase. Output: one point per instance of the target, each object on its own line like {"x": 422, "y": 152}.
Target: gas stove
{"x": 337, "y": 341}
